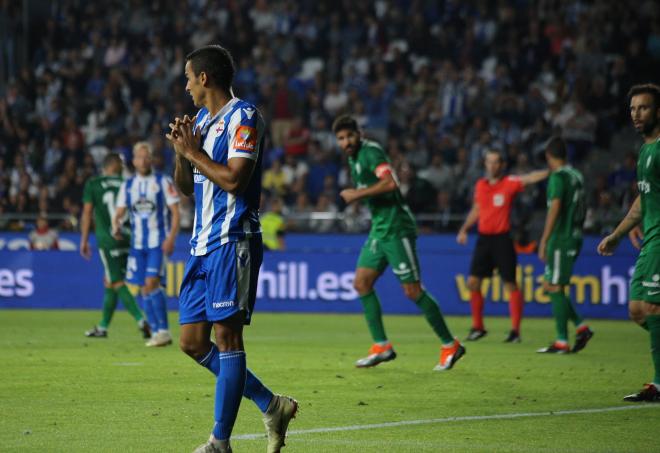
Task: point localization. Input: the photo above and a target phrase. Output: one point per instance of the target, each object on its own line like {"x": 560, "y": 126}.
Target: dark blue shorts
{"x": 221, "y": 283}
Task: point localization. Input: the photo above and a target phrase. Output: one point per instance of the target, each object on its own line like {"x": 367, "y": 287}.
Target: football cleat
{"x": 582, "y": 338}
{"x": 555, "y": 348}
{"x": 449, "y": 355}
{"x": 214, "y": 446}
{"x": 95, "y": 332}
{"x": 514, "y": 337}
{"x": 159, "y": 339}
{"x": 276, "y": 420}
{"x": 649, "y": 393}
{"x": 145, "y": 329}
{"x": 377, "y": 354}
{"x": 475, "y": 334}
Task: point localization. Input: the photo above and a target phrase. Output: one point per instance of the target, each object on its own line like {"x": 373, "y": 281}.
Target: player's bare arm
{"x": 386, "y": 184}
{"x": 534, "y": 177}
{"x": 183, "y": 174}
{"x": 550, "y": 220}
{"x": 630, "y": 221}
{"x": 168, "y": 243}
{"x": 233, "y": 177}
{"x": 471, "y": 219}
{"x": 85, "y": 226}
{"x": 120, "y": 213}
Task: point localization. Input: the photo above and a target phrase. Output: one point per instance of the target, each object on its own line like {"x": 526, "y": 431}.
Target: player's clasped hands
{"x": 182, "y": 136}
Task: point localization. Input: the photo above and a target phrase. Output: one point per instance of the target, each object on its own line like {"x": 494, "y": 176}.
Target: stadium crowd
{"x": 436, "y": 83}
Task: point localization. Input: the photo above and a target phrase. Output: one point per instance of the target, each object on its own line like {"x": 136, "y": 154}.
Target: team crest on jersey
{"x": 221, "y": 127}
{"x": 498, "y": 199}
{"x": 245, "y": 139}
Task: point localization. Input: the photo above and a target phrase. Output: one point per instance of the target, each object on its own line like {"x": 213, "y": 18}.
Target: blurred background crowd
{"x": 435, "y": 82}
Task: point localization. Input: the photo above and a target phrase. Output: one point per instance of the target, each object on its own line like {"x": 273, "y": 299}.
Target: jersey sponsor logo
{"x": 249, "y": 111}
{"x": 382, "y": 170}
{"x": 245, "y": 139}
{"x": 644, "y": 186}
{"x": 498, "y": 200}
{"x": 223, "y": 304}
{"x": 144, "y": 207}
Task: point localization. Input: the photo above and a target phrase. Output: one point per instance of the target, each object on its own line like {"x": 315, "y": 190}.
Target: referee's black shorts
{"x": 494, "y": 251}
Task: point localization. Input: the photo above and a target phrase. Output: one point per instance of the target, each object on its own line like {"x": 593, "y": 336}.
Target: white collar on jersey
{"x": 223, "y": 111}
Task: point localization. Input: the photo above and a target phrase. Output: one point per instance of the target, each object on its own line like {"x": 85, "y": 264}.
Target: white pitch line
{"x": 466, "y": 418}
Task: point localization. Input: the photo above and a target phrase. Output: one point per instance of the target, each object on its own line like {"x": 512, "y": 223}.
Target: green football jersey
{"x": 101, "y": 192}
{"x": 567, "y": 184}
{"x": 648, "y": 183}
{"x": 390, "y": 215}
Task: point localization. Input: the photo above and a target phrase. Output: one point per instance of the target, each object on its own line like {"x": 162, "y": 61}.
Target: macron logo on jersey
{"x": 245, "y": 138}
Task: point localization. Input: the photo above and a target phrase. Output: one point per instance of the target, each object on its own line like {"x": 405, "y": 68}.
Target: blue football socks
{"x": 254, "y": 390}
{"x": 229, "y": 388}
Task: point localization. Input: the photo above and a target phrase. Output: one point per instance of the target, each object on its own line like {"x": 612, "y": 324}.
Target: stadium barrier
{"x": 315, "y": 274}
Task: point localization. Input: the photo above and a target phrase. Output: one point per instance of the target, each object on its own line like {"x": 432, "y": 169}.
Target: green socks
{"x": 560, "y": 312}
{"x": 374, "y": 316}
{"x": 109, "y": 305}
{"x": 563, "y": 310}
{"x": 129, "y": 302}
{"x": 653, "y": 321}
{"x": 431, "y": 311}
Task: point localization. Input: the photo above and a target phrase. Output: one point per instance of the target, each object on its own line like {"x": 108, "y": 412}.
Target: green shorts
{"x": 560, "y": 258}
{"x": 114, "y": 264}
{"x": 399, "y": 253}
{"x": 645, "y": 283}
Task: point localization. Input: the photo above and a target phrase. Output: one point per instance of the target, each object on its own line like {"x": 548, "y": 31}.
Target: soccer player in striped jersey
{"x": 644, "y": 305}
{"x": 152, "y": 202}
{"x": 561, "y": 243}
{"x": 99, "y": 200}
{"x": 218, "y": 159}
{"x": 392, "y": 240}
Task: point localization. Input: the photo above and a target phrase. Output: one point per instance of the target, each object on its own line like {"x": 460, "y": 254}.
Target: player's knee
{"x": 474, "y": 284}
{"x": 362, "y": 286}
{"x": 412, "y": 292}
{"x": 550, "y": 288}
{"x": 191, "y": 348}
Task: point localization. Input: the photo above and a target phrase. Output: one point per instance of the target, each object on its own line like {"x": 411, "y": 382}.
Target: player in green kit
{"x": 561, "y": 243}
{"x": 644, "y": 303}
{"x": 391, "y": 241}
{"x": 99, "y": 198}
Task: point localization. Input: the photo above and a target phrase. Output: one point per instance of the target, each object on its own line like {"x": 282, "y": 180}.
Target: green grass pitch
{"x": 62, "y": 392}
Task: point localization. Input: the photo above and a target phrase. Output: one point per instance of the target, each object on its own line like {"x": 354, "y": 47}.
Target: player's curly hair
{"x": 646, "y": 88}
{"x": 216, "y": 62}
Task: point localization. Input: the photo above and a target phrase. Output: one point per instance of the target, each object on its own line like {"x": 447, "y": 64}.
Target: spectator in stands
{"x": 43, "y": 237}
{"x": 273, "y": 226}
{"x": 274, "y": 179}
{"x": 438, "y": 174}
{"x": 296, "y": 140}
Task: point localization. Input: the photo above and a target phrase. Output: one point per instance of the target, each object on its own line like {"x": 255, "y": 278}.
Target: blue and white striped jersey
{"x": 147, "y": 199}
{"x": 237, "y": 130}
